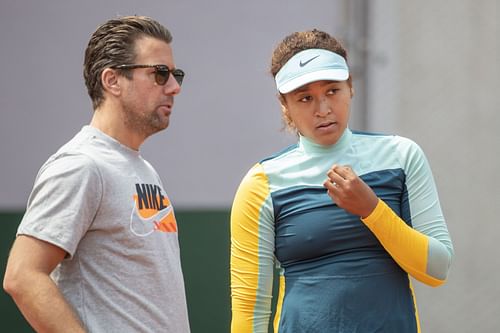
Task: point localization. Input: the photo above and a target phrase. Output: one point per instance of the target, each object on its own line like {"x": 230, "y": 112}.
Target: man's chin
{"x": 160, "y": 126}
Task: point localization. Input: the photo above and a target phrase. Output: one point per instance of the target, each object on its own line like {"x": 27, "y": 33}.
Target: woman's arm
{"x": 424, "y": 250}
{"x": 252, "y": 254}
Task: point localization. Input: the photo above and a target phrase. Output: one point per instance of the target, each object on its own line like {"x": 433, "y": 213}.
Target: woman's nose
{"x": 324, "y": 107}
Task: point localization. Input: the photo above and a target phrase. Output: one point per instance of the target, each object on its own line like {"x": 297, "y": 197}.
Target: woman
{"x": 346, "y": 216}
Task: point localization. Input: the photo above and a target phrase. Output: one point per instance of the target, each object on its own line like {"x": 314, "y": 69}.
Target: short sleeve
{"x": 64, "y": 201}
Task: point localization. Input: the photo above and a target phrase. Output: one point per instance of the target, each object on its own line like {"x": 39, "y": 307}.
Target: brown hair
{"x": 113, "y": 44}
{"x": 300, "y": 41}
{"x": 295, "y": 43}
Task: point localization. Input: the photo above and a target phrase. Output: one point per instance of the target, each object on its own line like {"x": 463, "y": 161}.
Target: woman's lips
{"x": 326, "y": 125}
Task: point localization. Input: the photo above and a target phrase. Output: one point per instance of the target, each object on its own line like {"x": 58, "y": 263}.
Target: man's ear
{"x": 110, "y": 82}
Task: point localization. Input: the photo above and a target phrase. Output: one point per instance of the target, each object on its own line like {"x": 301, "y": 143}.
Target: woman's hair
{"x": 300, "y": 41}
{"x": 113, "y": 44}
{"x": 295, "y": 43}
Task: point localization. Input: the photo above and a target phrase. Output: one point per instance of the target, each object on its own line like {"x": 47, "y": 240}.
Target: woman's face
{"x": 319, "y": 110}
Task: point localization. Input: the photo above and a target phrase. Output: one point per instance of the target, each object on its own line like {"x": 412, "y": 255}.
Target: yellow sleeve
{"x": 407, "y": 246}
{"x": 252, "y": 254}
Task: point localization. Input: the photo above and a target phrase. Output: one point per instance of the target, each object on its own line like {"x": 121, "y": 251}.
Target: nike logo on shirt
{"x": 144, "y": 226}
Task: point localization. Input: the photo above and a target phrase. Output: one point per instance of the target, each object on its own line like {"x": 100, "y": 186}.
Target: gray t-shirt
{"x": 106, "y": 207}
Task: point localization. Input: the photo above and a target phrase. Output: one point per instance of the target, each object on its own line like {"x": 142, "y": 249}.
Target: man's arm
{"x": 27, "y": 280}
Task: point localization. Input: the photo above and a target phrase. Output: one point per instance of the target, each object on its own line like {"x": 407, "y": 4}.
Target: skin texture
{"x": 139, "y": 107}
{"x": 27, "y": 280}
{"x": 349, "y": 191}
{"x": 132, "y": 110}
{"x": 320, "y": 111}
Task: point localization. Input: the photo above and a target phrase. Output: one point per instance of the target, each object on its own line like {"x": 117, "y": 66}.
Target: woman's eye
{"x": 305, "y": 99}
{"x": 333, "y": 91}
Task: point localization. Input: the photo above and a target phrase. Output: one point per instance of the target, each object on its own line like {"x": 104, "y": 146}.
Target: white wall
{"x": 434, "y": 77}
{"x": 226, "y": 118}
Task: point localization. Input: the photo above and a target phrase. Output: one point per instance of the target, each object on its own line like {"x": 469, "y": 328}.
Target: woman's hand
{"x": 349, "y": 191}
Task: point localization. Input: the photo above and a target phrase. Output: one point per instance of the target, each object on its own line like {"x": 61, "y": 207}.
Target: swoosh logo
{"x": 302, "y": 64}
{"x": 145, "y": 226}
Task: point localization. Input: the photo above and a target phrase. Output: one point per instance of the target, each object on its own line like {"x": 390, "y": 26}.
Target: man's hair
{"x": 300, "y": 41}
{"x": 113, "y": 44}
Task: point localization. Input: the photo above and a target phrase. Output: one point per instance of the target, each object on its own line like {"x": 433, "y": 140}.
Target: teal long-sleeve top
{"x": 338, "y": 272}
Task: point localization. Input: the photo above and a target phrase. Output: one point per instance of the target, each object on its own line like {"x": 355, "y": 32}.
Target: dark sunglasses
{"x": 162, "y": 72}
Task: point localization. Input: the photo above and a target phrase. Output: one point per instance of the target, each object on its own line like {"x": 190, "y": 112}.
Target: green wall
{"x": 12, "y": 320}
{"x": 204, "y": 238}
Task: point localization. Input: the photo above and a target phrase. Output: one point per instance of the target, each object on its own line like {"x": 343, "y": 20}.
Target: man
{"x": 97, "y": 249}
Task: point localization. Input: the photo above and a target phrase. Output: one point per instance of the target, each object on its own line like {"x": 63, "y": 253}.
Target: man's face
{"x": 147, "y": 105}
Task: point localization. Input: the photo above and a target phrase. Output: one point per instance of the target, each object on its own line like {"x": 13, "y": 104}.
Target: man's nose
{"x": 172, "y": 87}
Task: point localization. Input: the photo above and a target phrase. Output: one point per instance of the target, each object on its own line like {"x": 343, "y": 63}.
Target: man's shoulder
{"x": 75, "y": 154}
{"x": 90, "y": 146}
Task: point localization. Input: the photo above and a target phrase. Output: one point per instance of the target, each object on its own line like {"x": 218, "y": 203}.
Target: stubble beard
{"x": 142, "y": 122}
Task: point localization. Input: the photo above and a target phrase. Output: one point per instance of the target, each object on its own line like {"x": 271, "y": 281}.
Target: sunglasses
{"x": 162, "y": 72}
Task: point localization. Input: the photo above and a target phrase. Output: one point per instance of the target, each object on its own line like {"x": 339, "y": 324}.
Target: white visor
{"x": 309, "y": 66}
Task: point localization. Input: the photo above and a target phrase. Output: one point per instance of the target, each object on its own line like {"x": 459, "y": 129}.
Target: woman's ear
{"x": 284, "y": 108}
{"x": 349, "y": 82}
{"x": 282, "y": 100}
{"x": 110, "y": 82}
{"x": 285, "y": 113}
